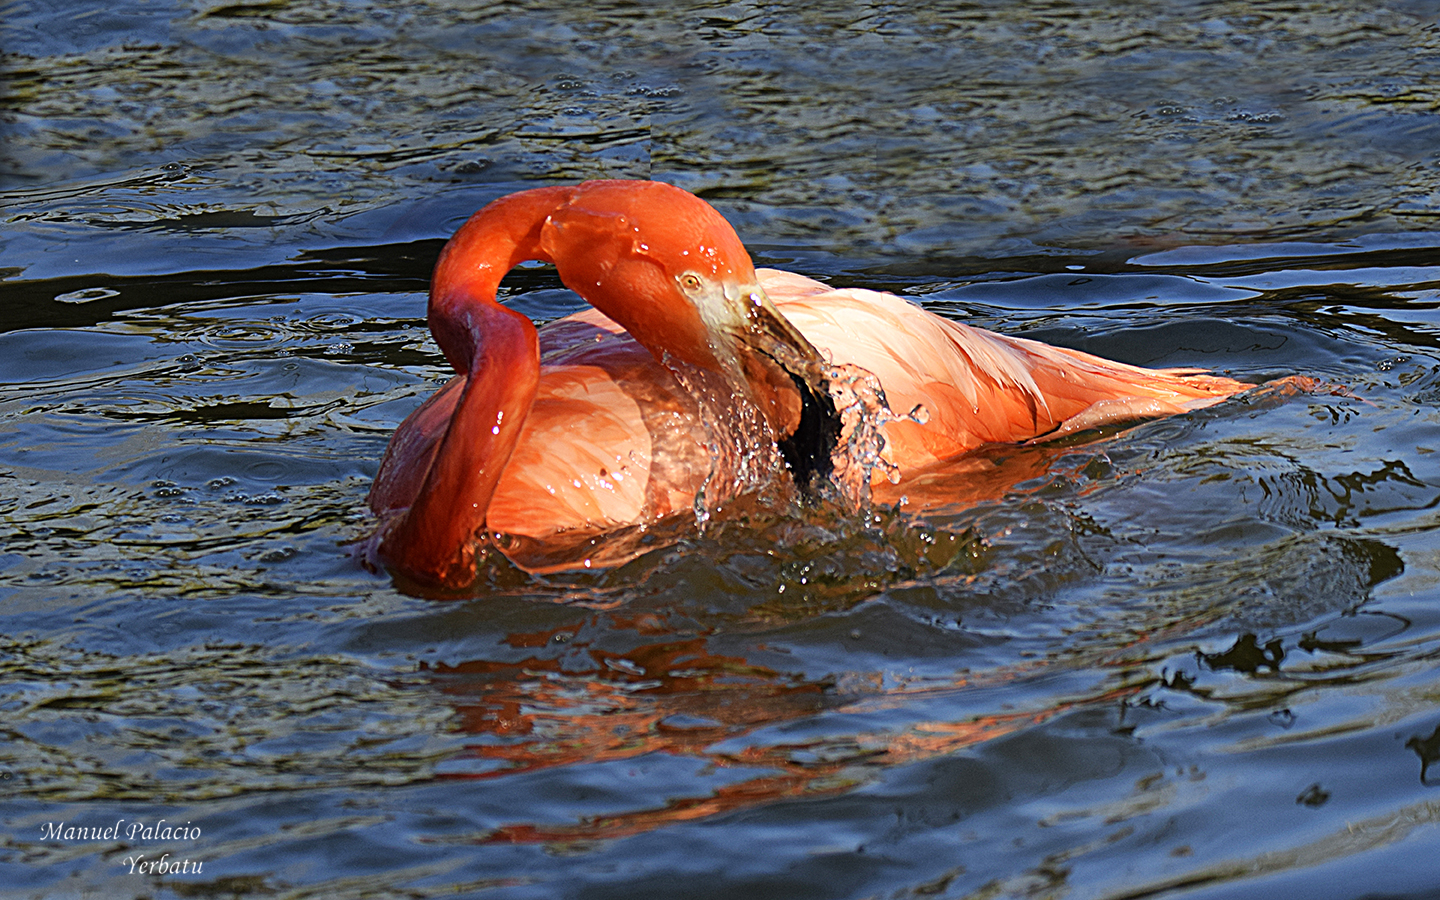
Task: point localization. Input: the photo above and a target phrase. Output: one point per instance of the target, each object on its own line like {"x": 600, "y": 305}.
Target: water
{"x": 1192, "y": 658}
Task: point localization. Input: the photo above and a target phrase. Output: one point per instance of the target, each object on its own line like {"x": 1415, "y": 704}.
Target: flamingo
{"x": 695, "y": 380}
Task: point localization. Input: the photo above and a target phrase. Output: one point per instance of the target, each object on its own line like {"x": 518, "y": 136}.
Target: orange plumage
{"x": 545, "y": 443}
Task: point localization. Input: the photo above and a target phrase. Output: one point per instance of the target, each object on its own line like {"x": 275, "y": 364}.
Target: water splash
{"x": 743, "y": 457}
{"x": 863, "y": 411}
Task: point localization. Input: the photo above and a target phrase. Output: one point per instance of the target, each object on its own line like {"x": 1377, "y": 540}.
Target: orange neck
{"x": 467, "y": 275}
{"x": 498, "y": 350}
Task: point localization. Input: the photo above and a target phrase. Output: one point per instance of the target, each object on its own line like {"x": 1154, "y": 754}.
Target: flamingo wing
{"x": 976, "y": 387}
{"x": 613, "y": 441}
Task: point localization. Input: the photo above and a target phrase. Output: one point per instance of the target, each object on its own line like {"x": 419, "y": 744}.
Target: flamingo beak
{"x": 769, "y": 324}
{"x": 791, "y": 381}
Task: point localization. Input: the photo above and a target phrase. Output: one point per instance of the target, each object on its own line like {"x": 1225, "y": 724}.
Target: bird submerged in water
{"x": 694, "y": 381}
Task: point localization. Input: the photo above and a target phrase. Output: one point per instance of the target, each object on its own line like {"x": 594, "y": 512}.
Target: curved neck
{"x": 492, "y": 242}
{"x": 498, "y": 351}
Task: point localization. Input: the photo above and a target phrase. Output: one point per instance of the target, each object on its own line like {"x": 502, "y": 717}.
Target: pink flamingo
{"x": 693, "y": 377}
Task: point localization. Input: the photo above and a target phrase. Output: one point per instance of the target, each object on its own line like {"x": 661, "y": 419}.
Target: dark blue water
{"x": 1195, "y": 658}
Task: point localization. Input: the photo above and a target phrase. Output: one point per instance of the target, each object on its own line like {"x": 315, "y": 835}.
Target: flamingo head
{"x": 672, "y": 272}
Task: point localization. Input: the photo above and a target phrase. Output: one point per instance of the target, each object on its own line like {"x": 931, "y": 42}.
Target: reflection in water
{"x": 1346, "y": 499}
{"x": 1193, "y": 657}
{"x": 1428, "y": 749}
{"x": 1248, "y": 656}
{"x": 676, "y": 697}
{"x": 779, "y": 736}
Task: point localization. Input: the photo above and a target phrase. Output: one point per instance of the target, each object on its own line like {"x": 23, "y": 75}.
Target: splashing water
{"x": 744, "y": 459}
{"x": 727, "y": 459}
{"x": 864, "y": 412}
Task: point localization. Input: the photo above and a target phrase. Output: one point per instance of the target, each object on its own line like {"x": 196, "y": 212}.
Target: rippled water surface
{"x": 1195, "y": 658}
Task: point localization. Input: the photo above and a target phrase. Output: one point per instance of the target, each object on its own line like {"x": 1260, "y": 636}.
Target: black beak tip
{"x": 809, "y": 450}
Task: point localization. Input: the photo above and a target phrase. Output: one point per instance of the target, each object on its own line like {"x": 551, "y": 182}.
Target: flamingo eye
{"x": 690, "y": 282}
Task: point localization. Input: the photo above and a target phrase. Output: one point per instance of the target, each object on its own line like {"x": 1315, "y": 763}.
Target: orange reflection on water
{"x": 676, "y": 697}
{"x": 571, "y": 704}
